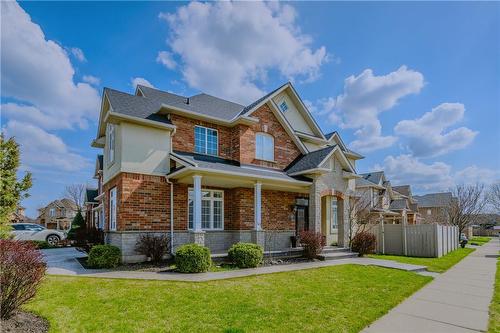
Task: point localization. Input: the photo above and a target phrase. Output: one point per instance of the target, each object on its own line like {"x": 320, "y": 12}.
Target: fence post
{"x": 403, "y": 228}
{"x": 382, "y": 234}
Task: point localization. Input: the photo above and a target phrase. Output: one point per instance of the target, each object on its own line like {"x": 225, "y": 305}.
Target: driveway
{"x": 456, "y": 301}
{"x": 63, "y": 261}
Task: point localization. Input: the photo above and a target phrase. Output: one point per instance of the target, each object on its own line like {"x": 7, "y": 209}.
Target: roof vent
{"x": 187, "y": 100}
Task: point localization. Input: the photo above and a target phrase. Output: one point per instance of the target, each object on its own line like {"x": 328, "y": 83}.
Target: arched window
{"x": 264, "y": 147}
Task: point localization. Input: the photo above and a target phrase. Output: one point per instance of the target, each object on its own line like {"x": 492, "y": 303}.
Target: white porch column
{"x": 257, "y": 206}
{"x": 196, "y": 203}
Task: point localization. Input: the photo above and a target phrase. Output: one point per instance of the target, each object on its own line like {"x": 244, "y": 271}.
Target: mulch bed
{"x": 24, "y": 322}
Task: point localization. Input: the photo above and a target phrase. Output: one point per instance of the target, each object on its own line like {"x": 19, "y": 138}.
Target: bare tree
{"x": 359, "y": 216}
{"x": 76, "y": 192}
{"x": 467, "y": 202}
{"x": 493, "y": 197}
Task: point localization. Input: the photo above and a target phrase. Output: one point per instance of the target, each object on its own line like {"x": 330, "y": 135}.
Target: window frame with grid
{"x": 204, "y": 139}
{"x": 210, "y": 201}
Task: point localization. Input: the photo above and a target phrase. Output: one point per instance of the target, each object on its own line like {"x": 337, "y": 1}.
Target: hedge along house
{"x": 214, "y": 172}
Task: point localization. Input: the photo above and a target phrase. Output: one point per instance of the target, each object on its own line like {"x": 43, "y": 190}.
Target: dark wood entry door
{"x": 301, "y": 219}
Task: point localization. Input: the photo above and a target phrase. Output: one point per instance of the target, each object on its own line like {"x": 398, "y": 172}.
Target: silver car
{"x": 36, "y": 232}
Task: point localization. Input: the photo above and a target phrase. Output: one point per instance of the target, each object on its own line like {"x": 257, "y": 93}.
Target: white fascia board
{"x": 190, "y": 114}
{"x": 147, "y": 122}
{"x": 101, "y": 129}
{"x": 234, "y": 173}
{"x": 307, "y": 113}
{"x": 310, "y": 171}
{"x": 311, "y": 138}
{"x": 182, "y": 160}
{"x": 264, "y": 101}
{"x": 350, "y": 175}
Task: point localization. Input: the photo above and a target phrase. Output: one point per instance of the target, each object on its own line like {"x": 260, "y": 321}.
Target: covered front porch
{"x": 217, "y": 204}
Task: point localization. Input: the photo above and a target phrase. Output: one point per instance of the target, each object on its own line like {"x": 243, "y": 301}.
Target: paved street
{"x": 456, "y": 301}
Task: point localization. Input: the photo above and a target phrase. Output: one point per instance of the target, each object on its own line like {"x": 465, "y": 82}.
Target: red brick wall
{"x": 183, "y": 139}
{"x": 238, "y": 143}
{"x": 285, "y": 150}
{"x": 142, "y": 202}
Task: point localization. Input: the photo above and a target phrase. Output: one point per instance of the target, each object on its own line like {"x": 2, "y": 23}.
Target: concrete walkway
{"x": 456, "y": 301}
{"x": 63, "y": 262}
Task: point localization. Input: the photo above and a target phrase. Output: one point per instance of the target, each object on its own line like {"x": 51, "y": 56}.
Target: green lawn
{"x": 479, "y": 240}
{"x": 331, "y": 299}
{"x": 433, "y": 264}
{"x": 494, "y": 326}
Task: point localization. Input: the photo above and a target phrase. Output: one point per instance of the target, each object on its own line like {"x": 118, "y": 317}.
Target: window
{"x": 429, "y": 212}
{"x": 205, "y": 140}
{"x": 52, "y": 212}
{"x": 264, "y": 147}
{"x": 335, "y": 223}
{"x": 111, "y": 144}
{"x": 212, "y": 209}
{"x": 283, "y": 106}
{"x": 112, "y": 209}
{"x": 19, "y": 227}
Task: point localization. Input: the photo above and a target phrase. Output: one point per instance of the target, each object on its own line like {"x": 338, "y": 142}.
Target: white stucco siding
{"x": 111, "y": 169}
{"x": 293, "y": 115}
{"x": 312, "y": 146}
{"x": 144, "y": 149}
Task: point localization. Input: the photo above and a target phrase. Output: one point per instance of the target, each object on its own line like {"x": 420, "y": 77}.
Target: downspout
{"x": 171, "y": 215}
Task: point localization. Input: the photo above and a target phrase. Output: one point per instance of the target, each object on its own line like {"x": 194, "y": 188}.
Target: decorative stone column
{"x": 197, "y": 234}
{"x": 314, "y": 206}
{"x": 258, "y": 235}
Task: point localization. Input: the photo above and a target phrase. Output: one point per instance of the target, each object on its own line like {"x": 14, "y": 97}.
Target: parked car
{"x": 30, "y": 231}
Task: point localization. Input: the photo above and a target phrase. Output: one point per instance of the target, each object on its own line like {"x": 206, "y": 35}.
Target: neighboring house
{"x": 433, "y": 207}
{"x": 94, "y": 207}
{"x": 484, "y": 224}
{"x": 19, "y": 216}
{"x": 214, "y": 172}
{"x": 57, "y": 215}
{"x": 384, "y": 201}
{"x": 90, "y": 203}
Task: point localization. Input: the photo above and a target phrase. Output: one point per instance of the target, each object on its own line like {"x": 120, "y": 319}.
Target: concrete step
{"x": 337, "y": 255}
{"x": 334, "y": 249}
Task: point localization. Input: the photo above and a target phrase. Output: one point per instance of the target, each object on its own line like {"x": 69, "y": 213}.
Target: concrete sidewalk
{"x": 456, "y": 301}
{"x": 63, "y": 262}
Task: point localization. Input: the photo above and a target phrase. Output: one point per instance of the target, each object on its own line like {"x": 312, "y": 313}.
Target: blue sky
{"x": 413, "y": 86}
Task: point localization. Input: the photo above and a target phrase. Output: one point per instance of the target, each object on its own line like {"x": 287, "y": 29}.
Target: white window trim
{"x": 112, "y": 212}
{"x": 262, "y": 158}
{"x": 206, "y": 140}
{"x": 52, "y": 212}
{"x": 333, "y": 227}
{"x": 111, "y": 146}
{"x": 212, "y": 199}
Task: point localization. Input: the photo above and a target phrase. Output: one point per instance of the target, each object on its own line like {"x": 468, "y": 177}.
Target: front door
{"x": 301, "y": 219}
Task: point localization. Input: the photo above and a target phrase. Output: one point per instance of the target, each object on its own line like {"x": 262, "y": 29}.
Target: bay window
{"x": 212, "y": 209}
{"x": 112, "y": 209}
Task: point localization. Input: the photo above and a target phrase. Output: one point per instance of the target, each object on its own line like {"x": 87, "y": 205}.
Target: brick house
{"x": 210, "y": 171}
{"x": 58, "y": 214}
{"x": 433, "y": 207}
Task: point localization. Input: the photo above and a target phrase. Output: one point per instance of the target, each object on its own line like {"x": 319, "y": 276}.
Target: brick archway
{"x": 332, "y": 192}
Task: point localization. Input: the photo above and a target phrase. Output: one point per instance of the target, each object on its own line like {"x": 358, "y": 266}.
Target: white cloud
{"x": 78, "y": 54}
{"x": 426, "y": 135}
{"x": 436, "y": 176}
{"x": 406, "y": 169}
{"x": 142, "y": 81}
{"x": 228, "y": 48}
{"x": 38, "y": 72}
{"x": 40, "y": 148}
{"x": 165, "y": 58}
{"x": 365, "y": 96}
{"x": 95, "y": 81}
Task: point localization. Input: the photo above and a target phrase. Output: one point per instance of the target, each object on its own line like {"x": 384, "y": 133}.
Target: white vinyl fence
{"x": 421, "y": 240}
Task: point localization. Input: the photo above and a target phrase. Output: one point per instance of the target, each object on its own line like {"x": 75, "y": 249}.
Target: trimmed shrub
{"x": 364, "y": 243}
{"x": 153, "y": 246}
{"x": 192, "y": 258}
{"x": 78, "y": 231}
{"x": 21, "y": 271}
{"x": 246, "y": 255}
{"x": 104, "y": 256}
{"x": 312, "y": 242}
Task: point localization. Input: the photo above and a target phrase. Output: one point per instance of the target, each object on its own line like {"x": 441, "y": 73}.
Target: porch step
{"x": 337, "y": 255}
{"x": 334, "y": 249}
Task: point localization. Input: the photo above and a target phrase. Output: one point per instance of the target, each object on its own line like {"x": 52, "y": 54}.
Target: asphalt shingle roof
{"x": 403, "y": 189}
{"x": 309, "y": 161}
{"x": 373, "y": 177}
{"x": 135, "y": 106}
{"x": 220, "y": 164}
{"x": 90, "y": 195}
{"x": 202, "y": 103}
{"x": 398, "y": 204}
{"x": 434, "y": 199}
